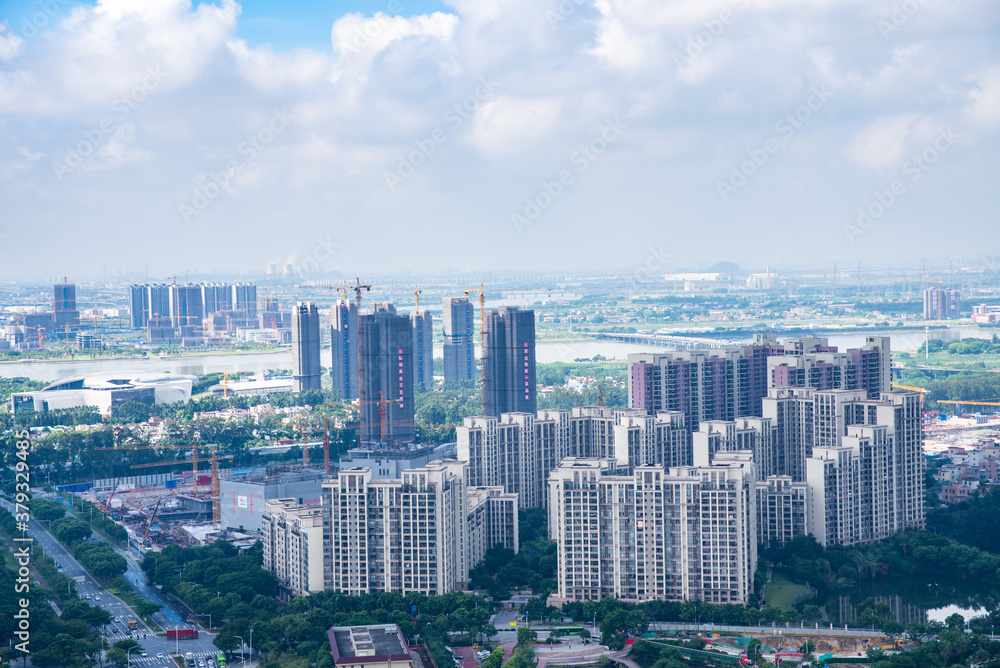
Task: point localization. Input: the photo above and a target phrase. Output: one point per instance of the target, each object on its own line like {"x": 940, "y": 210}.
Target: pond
{"x": 911, "y": 599}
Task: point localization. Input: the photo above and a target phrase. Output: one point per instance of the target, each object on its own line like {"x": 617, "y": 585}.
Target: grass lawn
{"x": 781, "y": 590}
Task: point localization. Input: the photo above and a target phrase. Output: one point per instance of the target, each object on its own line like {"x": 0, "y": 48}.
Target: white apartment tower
{"x": 680, "y": 533}
{"x": 292, "y": 537}
{"x": 421, "y": 532}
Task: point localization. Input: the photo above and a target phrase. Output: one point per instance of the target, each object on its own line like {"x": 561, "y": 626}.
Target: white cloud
{"x": 10, "y": 44}
{"x": 886, "y": 142}
{"x": 386, "y": 82}
{"x": 506, "y": 124}
{"x": 984, "y": 98}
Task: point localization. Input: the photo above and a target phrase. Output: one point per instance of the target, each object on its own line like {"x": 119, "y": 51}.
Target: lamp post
{"x": 128, "y": 656}
{"x": 250, "y": 646}
{"x": 242, "y": 643}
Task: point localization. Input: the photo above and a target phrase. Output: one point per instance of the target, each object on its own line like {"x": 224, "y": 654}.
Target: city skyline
{"x": 452, "y": 128}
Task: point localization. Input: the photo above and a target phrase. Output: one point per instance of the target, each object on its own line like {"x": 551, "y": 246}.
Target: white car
{"x": 160, "y": 656}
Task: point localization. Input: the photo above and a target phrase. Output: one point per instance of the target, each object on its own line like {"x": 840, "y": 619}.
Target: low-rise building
{"x": 379, "y": 646}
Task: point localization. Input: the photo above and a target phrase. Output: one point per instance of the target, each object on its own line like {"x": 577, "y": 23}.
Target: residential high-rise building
{"x": 790, "y": 411}
{"x": 305, "y": 347}
{"x": 244, "y": 300}
{"x": 138, "y": 306}
{"x": 423, "y": 349}
{"x": 387, "y": 376}
{"x": 187, "y": 305}
{"x": 509, "y": 364}
{"x": 344, "y": 349}
{"x": 421, "y": 532}
{"x": 503, "y": 453}
{"x": 64, "y": 312}
{"x": 459, "y": 339}
{"x": 782, "y": 509}
{"x": 753, "y": 435}
{"x": 941, "y": 304}
{"x": 216, "y": 297}
{"x": 292, "y": 536}
{"x": 866, "y": 473}
{"x": 159, "y": 302}
{"x": 729, "y": 383}
{"x": 518, "y": 450}
{"x": 655, "y": 533}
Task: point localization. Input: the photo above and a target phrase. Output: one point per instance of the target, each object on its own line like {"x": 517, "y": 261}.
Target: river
{"x": 545, "y": 352}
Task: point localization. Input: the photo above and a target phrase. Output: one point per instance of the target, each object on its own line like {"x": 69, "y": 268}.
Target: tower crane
{"x": 151, "y": 519}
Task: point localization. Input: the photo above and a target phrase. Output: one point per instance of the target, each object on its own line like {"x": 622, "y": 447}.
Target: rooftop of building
{"x": 367, "y": 644}
{"x": 274, "y": 475}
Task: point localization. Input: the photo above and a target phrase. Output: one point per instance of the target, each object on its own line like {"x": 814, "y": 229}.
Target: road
{"x": 767, "y": 630}
{"x": 86, "y": 586}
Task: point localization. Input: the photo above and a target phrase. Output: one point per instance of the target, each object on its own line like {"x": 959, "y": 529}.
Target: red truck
{"x": 182, "y": 634}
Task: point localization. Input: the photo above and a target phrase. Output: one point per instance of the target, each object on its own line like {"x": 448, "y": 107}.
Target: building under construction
{"x": 243, "y": 495}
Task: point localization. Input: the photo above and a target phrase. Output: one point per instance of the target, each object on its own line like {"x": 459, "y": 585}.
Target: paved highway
{"x": 88, "y": 589}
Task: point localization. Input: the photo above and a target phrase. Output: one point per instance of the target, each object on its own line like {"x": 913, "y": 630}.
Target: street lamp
{"x": 128, "y": 656}
{"x": 241, "y": 650}
{"x": 250, "y": 646}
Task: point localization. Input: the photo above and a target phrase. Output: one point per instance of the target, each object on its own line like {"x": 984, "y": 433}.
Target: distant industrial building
{"x": 244, "y": 497}
{"x": 344, "y": 349}
{"x": 423, "y": 350}
{"x": 105, "y": 391}
{"x": 306, "y": 370}
{"x": 459, "y": 340}
{"x": 941, "y": 304}
{"x": 986, "y": 314}
{"x": 387, "y": 376}
{"x": 509, "y": 363}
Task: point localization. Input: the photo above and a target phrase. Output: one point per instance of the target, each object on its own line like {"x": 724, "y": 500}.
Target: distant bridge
{"x": 672, "y": 340}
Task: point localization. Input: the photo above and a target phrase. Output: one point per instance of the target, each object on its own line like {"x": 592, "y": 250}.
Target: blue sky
{"x": 516, "y": 134}
{"x": 284, "y": 25}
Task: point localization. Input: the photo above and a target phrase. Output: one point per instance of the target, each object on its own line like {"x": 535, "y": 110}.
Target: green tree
{"x": 70, "y": 530}
{"x": 526, "y": 636}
